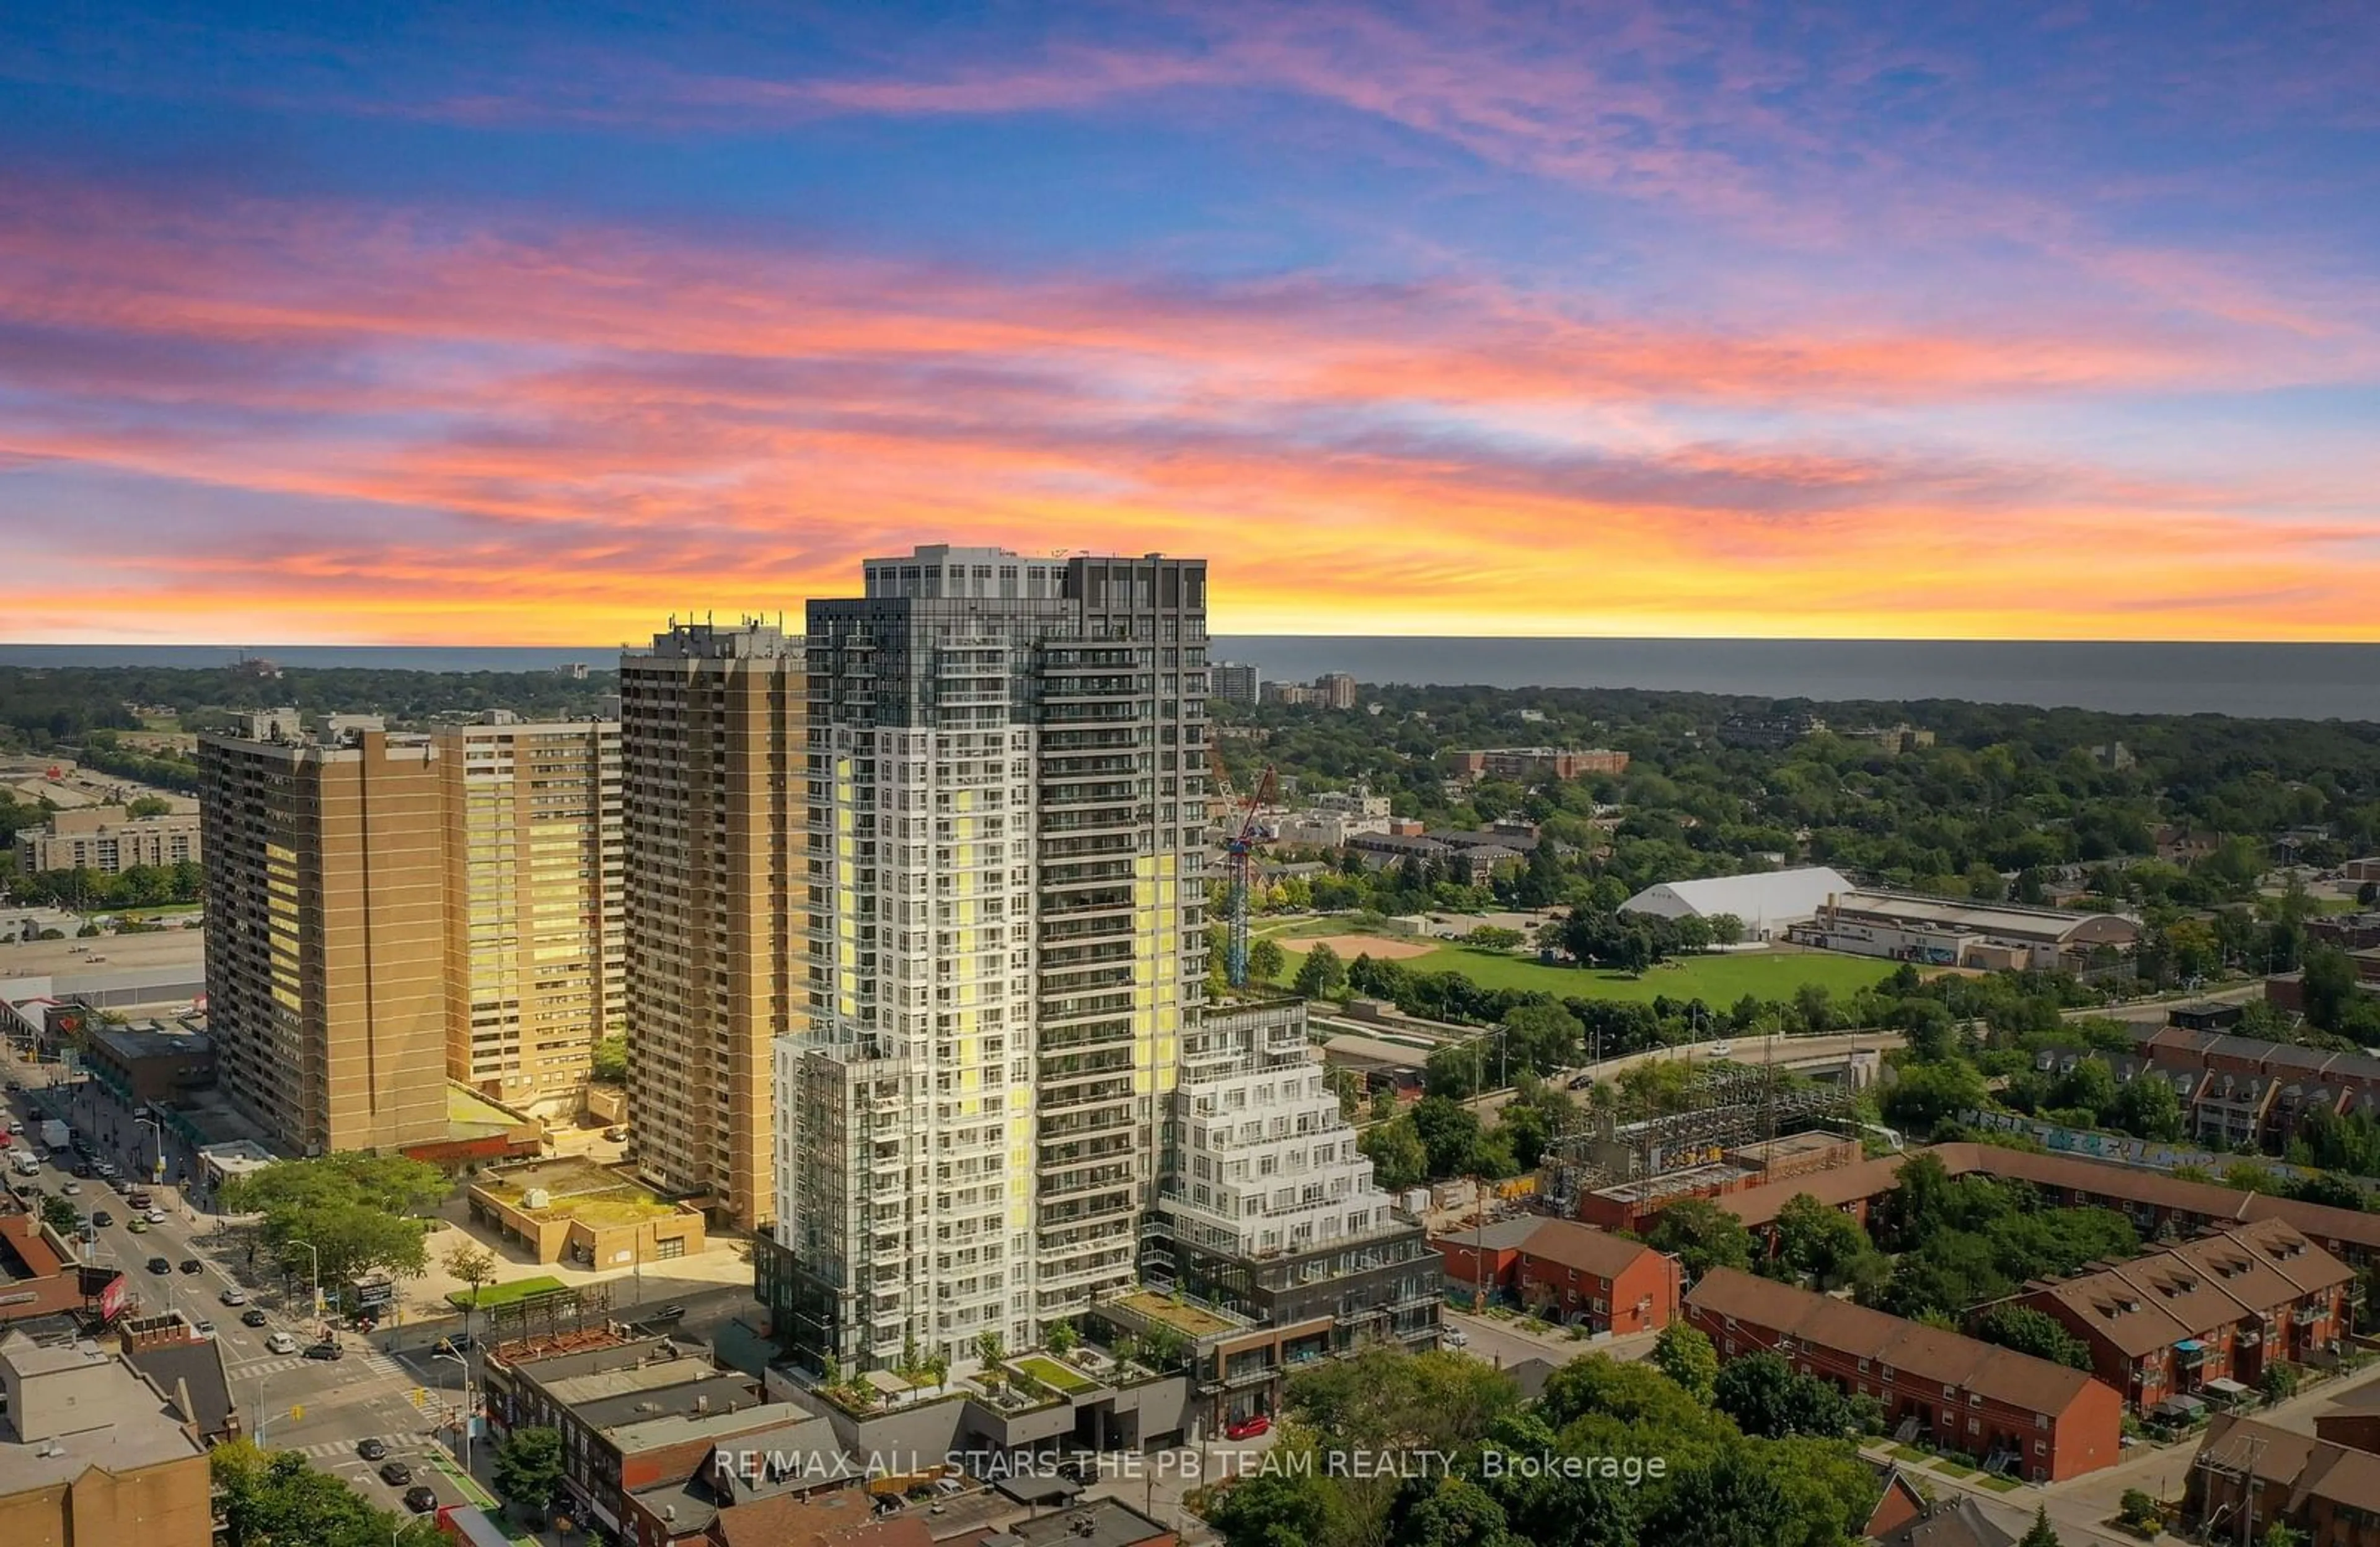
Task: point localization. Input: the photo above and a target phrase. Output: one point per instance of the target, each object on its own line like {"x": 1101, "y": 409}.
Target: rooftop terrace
{"x": 578, "y": 1189}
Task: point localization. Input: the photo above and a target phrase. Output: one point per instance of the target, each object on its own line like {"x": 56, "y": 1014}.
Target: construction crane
{"x": 1239, "y": 849}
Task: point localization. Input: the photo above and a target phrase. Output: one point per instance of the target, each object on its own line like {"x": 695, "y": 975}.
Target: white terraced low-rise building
{"x": 1265, "y": 1162}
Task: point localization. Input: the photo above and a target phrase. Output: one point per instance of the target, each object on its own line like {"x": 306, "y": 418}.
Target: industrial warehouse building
{"x": 2021, "y": 1416}
{"x": 1769, "y": 902}
{"x": 1953, "y": 932}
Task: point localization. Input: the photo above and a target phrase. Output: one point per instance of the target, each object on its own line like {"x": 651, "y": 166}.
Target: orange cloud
{"x": 403, "y": 428}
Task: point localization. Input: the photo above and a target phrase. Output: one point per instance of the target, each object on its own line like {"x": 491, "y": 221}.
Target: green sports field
{"x": 1715, "y": 979}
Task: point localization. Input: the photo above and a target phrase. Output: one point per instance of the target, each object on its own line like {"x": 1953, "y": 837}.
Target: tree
{"x": 608, "y": 1065}
{"x": 1767, "y": 1398}
{"x": 1278, "y": 1508}
{"x": 1684, "y": 1354}
{"x": 2148, "y": 1107}
{"x": 1454, "y": 1512}
{"x": 1927, "y": 1095}
{"x": 1395, "y": 1150}
{"x": 1726, "y": 928}
{"x": 147, "y": 806}
{"x": 2139, "y": 1508}
{"x": 1729, "y": 1501}
{"x": 938, "y": 1369}
{"x": 1818, "y": 1241}
{"x": 2039, "y": 1534}
{"x": 1321, "y": 975}
{"x": 61, "y": 1215}
{"x": 356, "y": 1210}
{"x": 1265, "y": 960}
{"x": 1060, "y": 1337}
{"x": 473, "y": 1264}
{"x": 276, "y": 1500}
{"x": 2031, "y": 1332}
{"x": 1702, "y": 1236}
{"x": 1542, "y": 1036}
{"x": 529, "y": 1468}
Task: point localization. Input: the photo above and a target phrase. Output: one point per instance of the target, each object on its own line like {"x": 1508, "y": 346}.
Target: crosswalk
{"x": 345, "y": 1450}
{"x": 380, "y": 1364}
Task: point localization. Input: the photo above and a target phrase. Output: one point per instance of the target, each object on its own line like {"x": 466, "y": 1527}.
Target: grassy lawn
{"x": 1998, "y": 1484}
{"x": 1050, "y": 1373}
{"x": 1956, "y": 1468}
{"x": 1188, "y": 1320}
{"x": 504, "y": 1294}
{"x": 1717, "y": 981}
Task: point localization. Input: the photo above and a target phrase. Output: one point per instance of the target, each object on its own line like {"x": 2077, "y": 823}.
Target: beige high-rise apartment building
{"x": 536, "y": 948}
{"x": 712, "y": 756}
{"x": 326, "y": 930}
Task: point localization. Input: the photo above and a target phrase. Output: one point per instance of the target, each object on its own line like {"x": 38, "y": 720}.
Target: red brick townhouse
{"x": 2190, "y": 1316}
{"x": 1587, "y": 1277}
{"x": 2154, "y": 1201}
{"x": 1482, "y": 1261}
{"x": 2249, "y": 1476}
{"x": 2040, "y": 1421}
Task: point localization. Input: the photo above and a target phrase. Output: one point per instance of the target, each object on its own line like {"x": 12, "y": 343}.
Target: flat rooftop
{"x": 671, "y": 1429}
{"x": 140, "y": 1428}
{"x": 1692, "y": 1179}
{"x": 1090, "y": 1522}
{"x": 1192, "y": 1320}
{"x": 154, "y": 1039}
{"x": 578, "y": 1189}
{"x": 467, "y": 1109}
{"x": 1772, "y": 1149}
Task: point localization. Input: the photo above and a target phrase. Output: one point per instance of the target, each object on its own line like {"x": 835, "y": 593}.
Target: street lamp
{"x": 462, "y": 1360}
{"x": 157, "y": 1171}
{"x": 316, "y": 1258}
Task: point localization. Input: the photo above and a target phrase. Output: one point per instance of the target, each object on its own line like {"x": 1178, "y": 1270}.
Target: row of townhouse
{"x": 2244, "y": 1091}
{"x": 2205, "y": 1315}
{"x": 2017, "y": 1414}
{"x": 1578, "y": 1274}
{"x": 2157, "y": 1204}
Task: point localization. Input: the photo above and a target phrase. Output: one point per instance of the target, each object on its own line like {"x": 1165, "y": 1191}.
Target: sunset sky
{"x": 526, "y": 324}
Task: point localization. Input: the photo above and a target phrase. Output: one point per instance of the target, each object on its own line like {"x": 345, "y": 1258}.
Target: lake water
{"x": 2297, "y": 681}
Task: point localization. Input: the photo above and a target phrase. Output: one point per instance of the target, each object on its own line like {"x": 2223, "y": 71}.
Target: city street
{"x": 1504, "y": 1343}
{"x": 391, "y": 1387}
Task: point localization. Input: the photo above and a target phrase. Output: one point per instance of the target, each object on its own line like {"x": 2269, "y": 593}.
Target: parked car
{"x": 1457, "y": 1338}
{"x": 617, "y": 1136}
{"x": 396, "y": 1474}
{"x": 159, "y": 1265}
{"x": 281, "y": 1343}
{"x": 192, "y": 1265}
{"x": 1248, "y": 1428}
{"x": 373, "y": 1450}
{"x": 233, "y": 1296}
{"x": 421, "y": 1500}
{"x": 325, "y": 1351}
